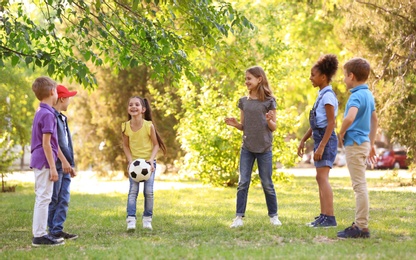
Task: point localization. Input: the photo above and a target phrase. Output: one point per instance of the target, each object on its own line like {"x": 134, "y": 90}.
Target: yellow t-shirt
{"x": 140, "y": 142}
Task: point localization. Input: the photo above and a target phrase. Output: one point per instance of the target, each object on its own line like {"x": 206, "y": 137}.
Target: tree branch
{"x": 385, "y": 10}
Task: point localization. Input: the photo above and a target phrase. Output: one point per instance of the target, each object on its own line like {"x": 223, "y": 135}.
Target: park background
{"x": 189, "y": 57}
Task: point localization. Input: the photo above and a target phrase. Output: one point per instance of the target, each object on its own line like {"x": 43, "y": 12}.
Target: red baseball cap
{"x": 64, "y": 92}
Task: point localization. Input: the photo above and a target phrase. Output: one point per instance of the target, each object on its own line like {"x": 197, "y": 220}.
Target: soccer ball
{"x": 140, "y": 170}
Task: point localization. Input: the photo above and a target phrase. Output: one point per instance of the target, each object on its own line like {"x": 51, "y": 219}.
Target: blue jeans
{"x": 264, "y": 163}
{"x": 148, "y": 196}
{"x": 58, "y": 207}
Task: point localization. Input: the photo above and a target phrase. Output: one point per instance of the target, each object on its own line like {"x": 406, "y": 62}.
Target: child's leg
{"x": 43, "y": 191}
{"x": 132, "y": 198}
{"x": 61, "y": 209}
{"x": 264, "y": 162}
{"x": 356, "y": 156}
{"x": 148, "y": 195}
{"x": 326, "y": 196}
{"x": 54, "y": 200}
{"x": 246, "y": 167}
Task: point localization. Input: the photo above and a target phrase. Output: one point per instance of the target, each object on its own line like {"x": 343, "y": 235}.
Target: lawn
{"x": 193, "y": 223}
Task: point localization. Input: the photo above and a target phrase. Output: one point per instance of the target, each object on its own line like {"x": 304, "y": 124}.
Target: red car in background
{"x": 392, "y": 159}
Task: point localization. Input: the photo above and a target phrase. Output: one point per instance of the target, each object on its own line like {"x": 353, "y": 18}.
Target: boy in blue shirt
{"x": 357, "y": 133}
{"x": 44, "y": 150}
{"x": 58, "y": 207}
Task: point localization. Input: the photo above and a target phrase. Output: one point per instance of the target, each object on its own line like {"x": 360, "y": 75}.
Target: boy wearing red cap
{"x": 58, "y": 206}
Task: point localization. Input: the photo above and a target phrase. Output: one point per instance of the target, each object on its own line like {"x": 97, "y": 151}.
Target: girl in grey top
{"x": 257, "y": 121}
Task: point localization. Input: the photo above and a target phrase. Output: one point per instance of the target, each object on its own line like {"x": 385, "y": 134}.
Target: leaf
{"x": 15, "y": 60}
{"x": 51, "y": 69}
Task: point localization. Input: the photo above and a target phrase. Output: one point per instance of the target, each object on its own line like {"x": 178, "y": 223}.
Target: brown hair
{"x": 42, "y": 86}
{"x": 263, "y": 89}
{"x": 327, "y": 65}
{"x": 359, "y": 67}
{"x": 148, "y": 117}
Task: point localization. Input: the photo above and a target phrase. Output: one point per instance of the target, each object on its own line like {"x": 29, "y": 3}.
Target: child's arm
{"x": 155, "y": 146}
{"x": 271, "y": 119}
{"x": 126, "y": 148}
{"x": 347, "y": 122}
{"x": 65, "y": 164}
{"x": 330, "y": 115}
{"x": 301, "y": 147}
{"x": 373, "y": 132}
{"x": 233, "y": 122}
{"x": 47, "y": 148}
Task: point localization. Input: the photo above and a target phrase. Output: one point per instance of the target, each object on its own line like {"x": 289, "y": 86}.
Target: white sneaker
{"x": 131, "y": 223}
{"x": 147, "y": 222}
{"x": 238, "y": 222}
{"x": 275, "y": 221}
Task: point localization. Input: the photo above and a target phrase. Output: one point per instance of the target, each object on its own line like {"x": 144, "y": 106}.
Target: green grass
{"x": 194, "y": 224}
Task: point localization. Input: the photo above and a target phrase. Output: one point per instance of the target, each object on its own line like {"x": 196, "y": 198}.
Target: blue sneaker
{"x": 354, "y": 232}
{"x": 317, "y": 219}
{"x": 326, "y": 222}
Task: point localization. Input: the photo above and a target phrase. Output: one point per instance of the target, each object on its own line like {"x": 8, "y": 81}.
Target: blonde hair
{"x": 263, "y": 89}
{"x": 42, "y": 87}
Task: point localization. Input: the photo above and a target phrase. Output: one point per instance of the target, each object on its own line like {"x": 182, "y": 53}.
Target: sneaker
{"x": 56, "y": 237}
{"x": 46, "y": 240}
{"x": 64, "y": 235}
{"x": 354, "y": 232}
{"x": 238, "y": 222}
{"x": 131, "y": 223}
{"x": 317, "y": 219}
{"x": 275, "y": 221}
{"x": 147, "y": 222}
{"x": 326, "y": 222}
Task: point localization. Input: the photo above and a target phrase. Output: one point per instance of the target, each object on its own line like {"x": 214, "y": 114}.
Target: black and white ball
{"x": 140, "y": 170}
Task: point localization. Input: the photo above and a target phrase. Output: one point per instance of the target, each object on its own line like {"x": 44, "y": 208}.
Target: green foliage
{"x": 95, "y": 119}
{"x": 212, "y": 148}
{"x": 388, "y": 42}
{"x": 68, "y": 37}
{"x": 7, "y": 156}
{"x": 16, "y": 105}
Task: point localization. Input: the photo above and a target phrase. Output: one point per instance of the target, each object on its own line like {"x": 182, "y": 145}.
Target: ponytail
{"x": 148, "y": 117}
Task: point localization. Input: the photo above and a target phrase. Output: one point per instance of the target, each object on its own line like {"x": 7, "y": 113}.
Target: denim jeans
{"x": 58, "y": 207}
{"x": 148, "y": 196}
{"x": 264, "y": 163}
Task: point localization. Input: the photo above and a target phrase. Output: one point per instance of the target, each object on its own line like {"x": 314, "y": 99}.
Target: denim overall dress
{"x": 330, "y": 151}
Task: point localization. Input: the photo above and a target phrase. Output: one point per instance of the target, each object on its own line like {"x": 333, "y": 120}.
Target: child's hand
{"x": 269, "y": 115}
{"x": 53, "y": 175}
{"x": 73, "y": 173}
{"x": 317, "y": 155}
{"x": 301, "y": 149}
{"x": 231, "y": 121}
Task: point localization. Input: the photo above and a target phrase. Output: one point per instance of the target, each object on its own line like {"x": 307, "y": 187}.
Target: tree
{"x": 388, "y": 41}
{"x": 17, "y": 103}
{"x": 69, "y": 36}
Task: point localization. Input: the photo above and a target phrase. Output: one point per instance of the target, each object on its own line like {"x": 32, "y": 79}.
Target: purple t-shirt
{"x": 43, "y": 123}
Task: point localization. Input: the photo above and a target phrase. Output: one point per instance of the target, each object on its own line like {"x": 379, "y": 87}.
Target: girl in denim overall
{"x": 322, "y": 125}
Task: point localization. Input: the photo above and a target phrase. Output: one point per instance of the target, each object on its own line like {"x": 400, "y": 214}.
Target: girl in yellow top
{"x": 140, "y": 140}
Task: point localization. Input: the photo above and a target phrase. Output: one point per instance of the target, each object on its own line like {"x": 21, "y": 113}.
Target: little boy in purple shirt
{"x": 44, "y": 149}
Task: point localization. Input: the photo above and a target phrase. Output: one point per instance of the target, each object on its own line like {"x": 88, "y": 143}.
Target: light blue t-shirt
{"x": 361, "y": 98}
{"x": 328, "y": 98}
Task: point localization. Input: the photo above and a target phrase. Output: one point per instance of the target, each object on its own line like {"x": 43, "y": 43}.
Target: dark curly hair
{"x": 327, "y": 65}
